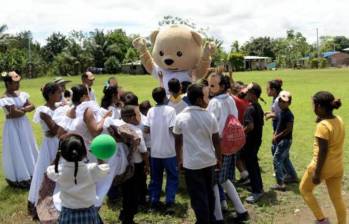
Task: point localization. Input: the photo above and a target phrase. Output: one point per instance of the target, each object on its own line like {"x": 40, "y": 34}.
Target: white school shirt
{"x": 197, "y": 126}
{"x": 167, "y": 75}
{"x": 137, "y": 157}
{"x": 160, "y": 119}
{"x": 221, "y": 106}
{"x": 82, "y": 194}
{"x": 178, "y": 106}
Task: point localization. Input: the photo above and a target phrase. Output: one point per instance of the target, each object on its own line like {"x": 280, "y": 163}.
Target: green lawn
{"x": 286, "y": 207}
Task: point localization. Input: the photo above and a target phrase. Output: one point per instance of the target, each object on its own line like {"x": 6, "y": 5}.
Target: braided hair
{"x": 72, "y": 149}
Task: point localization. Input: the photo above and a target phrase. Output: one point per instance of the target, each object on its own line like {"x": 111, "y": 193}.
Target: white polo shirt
{"x": 136, "y": 155}
{"x": 160, "y": 119}
{"x": 197, "y": 126}
{"x": 221, "y": 106}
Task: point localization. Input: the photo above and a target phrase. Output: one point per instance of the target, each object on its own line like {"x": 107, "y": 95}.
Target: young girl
{"x": 327, "y": 163}
{"x": 43, "y": 115}
{"x": 274, "y": 87}
{"x": 222, "y": 105}
{"x": 19, "y": 148}
{"x": 110, "y": 100}
{"x": 77, "y": 181}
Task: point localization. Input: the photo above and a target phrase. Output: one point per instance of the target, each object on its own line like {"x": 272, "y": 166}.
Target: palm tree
{"x": 3, "y": 35}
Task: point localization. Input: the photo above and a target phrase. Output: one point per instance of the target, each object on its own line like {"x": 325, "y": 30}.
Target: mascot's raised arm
{"x": 178, "y": 52}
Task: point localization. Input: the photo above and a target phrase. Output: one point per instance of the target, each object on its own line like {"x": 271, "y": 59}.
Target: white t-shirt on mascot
{"x": 167, "y": 75}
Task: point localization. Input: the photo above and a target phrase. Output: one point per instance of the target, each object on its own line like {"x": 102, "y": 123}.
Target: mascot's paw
{"x": 139, "y": 43}
{"x": 209, "y": 48}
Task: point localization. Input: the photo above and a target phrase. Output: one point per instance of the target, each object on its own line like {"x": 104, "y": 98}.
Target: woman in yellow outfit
{"x": 327, "y": 163}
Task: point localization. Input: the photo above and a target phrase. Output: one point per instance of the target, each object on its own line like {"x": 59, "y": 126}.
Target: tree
{"x": 235, "y": 46}
{"x": 112, "y": 65}
{"x": 261, "y": 46}
{"x": 55, "y": 44}
{"x": 131, "y": 55}
{"x": 171, "y": 20}
{"x": 236, "y": 61}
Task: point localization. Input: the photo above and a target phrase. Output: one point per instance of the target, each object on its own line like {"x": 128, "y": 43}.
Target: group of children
{"x": 183, "y": 131}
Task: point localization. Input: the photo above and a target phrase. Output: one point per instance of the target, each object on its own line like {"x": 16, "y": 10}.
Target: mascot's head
{"x": 176, "y": 47}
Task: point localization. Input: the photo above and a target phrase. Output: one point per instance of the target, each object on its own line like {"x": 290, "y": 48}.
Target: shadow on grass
{"x": 268, "y": 199}
{"x": 8, "y": 193}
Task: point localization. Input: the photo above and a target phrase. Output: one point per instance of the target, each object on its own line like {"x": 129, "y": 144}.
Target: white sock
{"x": 224, "y": 204}
{"x": 217, "y": 207}
{"x": 243, "y": 174}
{"x": 234, "y": 196}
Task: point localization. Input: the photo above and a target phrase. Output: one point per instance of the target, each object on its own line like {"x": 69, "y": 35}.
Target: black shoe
{"x": 242, "y": 217}
{"x": 170, "y": 209}
{"x": 291, "y": 180}
{"x": 243, "y": 182}
{"x": 156, "y": 207}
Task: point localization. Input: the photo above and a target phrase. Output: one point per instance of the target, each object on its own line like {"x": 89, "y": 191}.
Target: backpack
{"x": 233, "y": 136}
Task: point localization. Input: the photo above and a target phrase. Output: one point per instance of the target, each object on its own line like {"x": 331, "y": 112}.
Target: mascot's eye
{"x": 161, "y": 53}
{"x": 179, "y": 53}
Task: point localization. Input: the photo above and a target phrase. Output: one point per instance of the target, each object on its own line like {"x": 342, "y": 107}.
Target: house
{"x": 336, "y": 58}
{"x": 256, "y": 62}
{"x": 135, "y": 67}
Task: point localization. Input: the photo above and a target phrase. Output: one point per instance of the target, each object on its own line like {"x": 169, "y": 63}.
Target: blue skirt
{"x": 226, "y": 172}
{"x": 76, "y": 216}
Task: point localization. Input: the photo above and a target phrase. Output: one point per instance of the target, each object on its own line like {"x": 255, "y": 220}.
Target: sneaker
{"x": 324, "y": 221}
{"x": 291, "y": 180}
{"x": 243, "y": 181}
{"x": 278, "y": 187}
{"x": 254, "y": 197}
{"x": 242, "y": 217}
{"x": 170, "y": 209}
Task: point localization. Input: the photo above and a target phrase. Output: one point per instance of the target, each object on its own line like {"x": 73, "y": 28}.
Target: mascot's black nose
{"x": 169, "y": 61}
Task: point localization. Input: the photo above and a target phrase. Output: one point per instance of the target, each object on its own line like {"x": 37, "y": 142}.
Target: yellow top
{"x": 333, "y": 131}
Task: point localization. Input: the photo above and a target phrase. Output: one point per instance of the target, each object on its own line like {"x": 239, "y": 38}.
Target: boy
{"x": 175, "y": 100}
{"x": 282, "y": 139}
{"x": 253, "y": 125}
{"x": 130, "y": 188}
{"x": 160, "y": 121}
{"x": 87, "y": 80}
{"x": 201, "y": 151}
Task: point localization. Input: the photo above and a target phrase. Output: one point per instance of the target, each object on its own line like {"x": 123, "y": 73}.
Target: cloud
{"x": 226, "y": 19}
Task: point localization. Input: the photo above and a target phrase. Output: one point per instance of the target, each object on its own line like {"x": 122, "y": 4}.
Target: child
{"x": 222, "y": 105}
{"x": 132, "y": 189}
{"x": 175, "y": 100}
{"x": 110, "y": 100}
{"x": 282, "y": 140}
{"x": 201, "y": 150}
{"x": 77, "y": 181}
{"x": 43, "y": 115}
{"x": 144, "y": 107}
{"x": 327, "y": 163}
{"x": 19, "y": 147}
{"x": 160, "y": 121}
{"x": 253, "y": 125}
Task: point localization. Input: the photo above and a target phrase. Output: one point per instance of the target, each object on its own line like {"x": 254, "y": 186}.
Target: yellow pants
{"x": 333, "y": 181}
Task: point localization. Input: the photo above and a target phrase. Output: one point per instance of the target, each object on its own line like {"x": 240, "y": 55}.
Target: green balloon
{"x": 103, "y": 146}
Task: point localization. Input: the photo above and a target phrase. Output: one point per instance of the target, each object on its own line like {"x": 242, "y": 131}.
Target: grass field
{"x": 275, "y": 207}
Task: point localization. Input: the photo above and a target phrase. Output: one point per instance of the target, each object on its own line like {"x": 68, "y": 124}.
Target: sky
{"x": 228, "y": 20}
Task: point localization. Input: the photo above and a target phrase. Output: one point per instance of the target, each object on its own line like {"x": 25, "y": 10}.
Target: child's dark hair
{"x": 49, "y": 89}
{"x": 195, "y": 92}
{"x": 276, "y": 84}
{"x": 129, "y": 98}
{"x": 327, "y": 101}
{"x": 78, "y": 92}
{"x": 109, "y": 92}
{"x": 112, "y": 78}
{"x": 72, "y": 148}
{"x": 144, "y": 107}
{"x": 174, "y": 86}
{"x": 67, "y": 93}
{"x": 184, "y": 86}
{"x": 159, "y": 95}
{"x": 127, "y": 112}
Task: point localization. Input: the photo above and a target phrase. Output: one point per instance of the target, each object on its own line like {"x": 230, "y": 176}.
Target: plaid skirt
{"x": 226, "y": 172}
{"x": 79, "y": 216}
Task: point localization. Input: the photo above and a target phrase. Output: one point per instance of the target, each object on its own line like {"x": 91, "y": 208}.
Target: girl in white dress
{"x": 110, "y": 101}
{"x": 19, "y": 148}
{"x": 43, "y": 115}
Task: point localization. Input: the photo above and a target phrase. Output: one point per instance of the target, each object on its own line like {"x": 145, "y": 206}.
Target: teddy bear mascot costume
{"x": 178, "y": 52}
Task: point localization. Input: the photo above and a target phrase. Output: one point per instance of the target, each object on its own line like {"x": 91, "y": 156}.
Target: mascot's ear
{"x": 197, "y": 37}
{"x": 153, "y": 36}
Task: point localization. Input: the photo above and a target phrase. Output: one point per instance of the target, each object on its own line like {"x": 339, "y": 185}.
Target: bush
{"x": 323, "y": 63}
{"x": 314, "y": 63}
{"x": 236, "y": 61}
{"x": 112, "y": 65}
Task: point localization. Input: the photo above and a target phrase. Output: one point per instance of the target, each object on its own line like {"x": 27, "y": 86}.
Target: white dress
{"x": 47, "y": 154}
{"x": 77, "y": 125}
{"x": 19, "y": 152}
